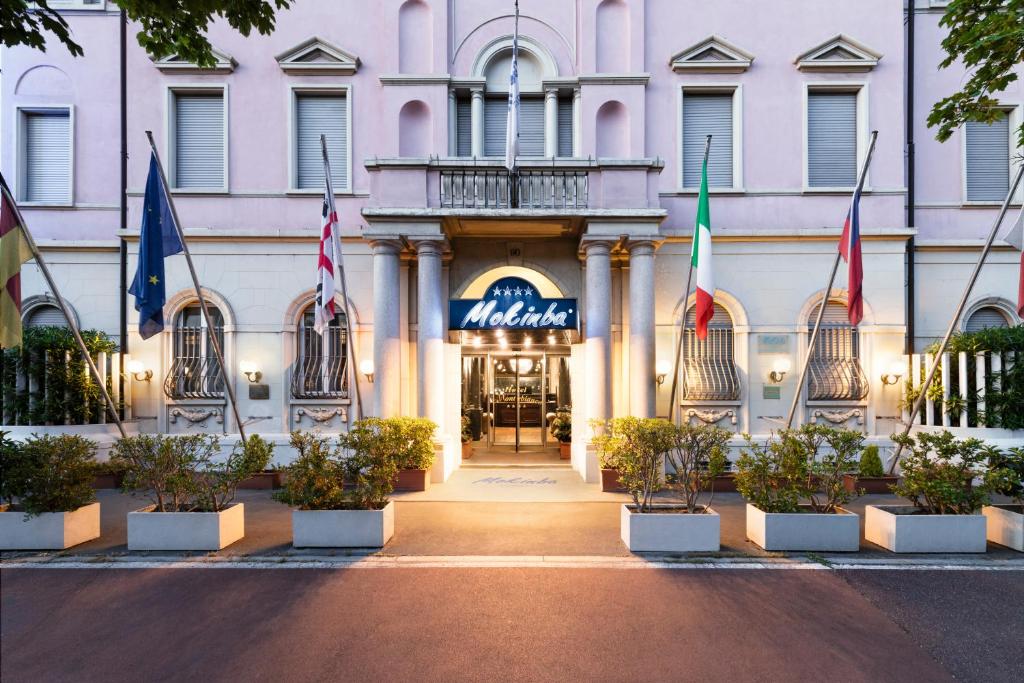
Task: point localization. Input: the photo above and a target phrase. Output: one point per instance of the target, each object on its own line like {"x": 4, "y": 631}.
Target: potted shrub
{"x": 191, "y": 489}
{"x": 107, "y": 475}
{"x": 467, "y": 438}
{"x": 944, "y": 514}
{"x": 1005, "y": 476}
{"x": 46, "y": 497}
{"x": 329, "y": 514}
{"x": 870, "y": 476}
{"x": 793, "y": 485}
{"x": 561, "y": 429}
{"x": 413, "y": 444}
{"x": 607, "y": 456}
{"x": 697, "y": 456}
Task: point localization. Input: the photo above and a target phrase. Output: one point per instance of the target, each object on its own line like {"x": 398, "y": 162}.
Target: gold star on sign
{"x": 153, "y": 279}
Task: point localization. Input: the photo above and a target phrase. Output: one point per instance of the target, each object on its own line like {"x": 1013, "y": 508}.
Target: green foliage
{"x": 315, "y": 479}
{"x": 770, "y": 477}
{"x": 1005, "y": 474}
{"x": 870, "y": 463}
{"x": 217, "y": 479}
{"x": 698, "y": 455}
{"x": 371, "y": 452}
{"x": 407, "y": 440}
{"x": 22, "y": 22}
{"x": 636, "y": 446}
{"x": 937, "y": 470}
{"x": 561, "y": 426}
{"x": 48, "y": 473}
{"x": 986, "y": 37}
{"x": 467, "y": 430}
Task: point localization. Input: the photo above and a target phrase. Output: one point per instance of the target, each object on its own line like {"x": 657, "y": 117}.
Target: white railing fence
{"x": 957, "y": 397}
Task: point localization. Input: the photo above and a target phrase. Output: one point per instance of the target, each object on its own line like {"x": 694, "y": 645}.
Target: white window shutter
{"x": 831, "y": 139}
{"x": 317, "y": 114}
{"x": 463, "y": 127}
{"x": 705, "y": 115}
{"x": 986, "y": 317}
{"x": 565, "y": 127}
{"x": 988, "y": 160}
{"x": 47, "y": 156}
{"x": 46, "y": 316}
{"x": 531, "y": 126}
{"x": 199, "y": 141}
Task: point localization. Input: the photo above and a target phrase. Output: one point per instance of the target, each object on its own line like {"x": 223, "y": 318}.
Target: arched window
{"x": 45, "y": 315}
{"x": 195, "y": 372}
{"x": 986, "y": 317}
{"x": 834, "y": 372}
{"x": 321, "y": 361}
{"x": 710, "y": 364}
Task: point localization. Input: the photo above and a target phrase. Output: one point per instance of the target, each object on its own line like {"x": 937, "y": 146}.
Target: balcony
{"x": 483, "y": 188}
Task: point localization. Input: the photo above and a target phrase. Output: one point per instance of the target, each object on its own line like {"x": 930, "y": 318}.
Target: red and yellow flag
{"x": 14, "y": 251}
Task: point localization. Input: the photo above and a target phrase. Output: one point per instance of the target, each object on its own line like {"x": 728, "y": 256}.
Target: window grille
{"x": 834, "y": 372}
{"x": 195, "y": 372}
{"x": 710, "y": 364}
{"x": 321, "y": 362}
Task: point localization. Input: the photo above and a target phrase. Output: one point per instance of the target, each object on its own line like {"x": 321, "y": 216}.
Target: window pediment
{"x": 712, "y": 55}
{"x": 839, "y": 53}
{"x": 317, "y": 56}
{"x": 173, "y": 64}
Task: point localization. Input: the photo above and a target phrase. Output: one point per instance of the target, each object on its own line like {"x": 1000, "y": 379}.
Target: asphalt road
{"x": 509, "y": 624}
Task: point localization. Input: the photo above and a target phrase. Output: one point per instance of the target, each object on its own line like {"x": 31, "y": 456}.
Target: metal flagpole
{"x": 228, "y": 384}
{"x": 828, "y": 290}
{"x": 956, "y": 316}
{"x": 686, "y": 309}
{"x": 100, "y": 380}
{"x": 336, "y": 244}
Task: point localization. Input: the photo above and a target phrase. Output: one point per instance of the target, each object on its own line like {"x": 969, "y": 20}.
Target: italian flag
{"x": 701, "y": 258}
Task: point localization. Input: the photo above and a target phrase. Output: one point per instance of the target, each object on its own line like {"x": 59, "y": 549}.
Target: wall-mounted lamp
{"x": 136, "y": 369}
{"x": 251, "y": 371}
{"x": 366, "y": 367}
{"x": 893, "y": 375}
{"x": 661, "y": 369}
{"x": 779, "y": 369}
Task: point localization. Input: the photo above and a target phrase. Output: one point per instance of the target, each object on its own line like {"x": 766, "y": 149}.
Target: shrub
{"x": 161, "y": 467}
{"x": 372, "y": 450}
{"x": 870, "y": 463}
{"x": 49, "y": 473}
{"x": 217, "y": 479}
{"x": 698, "y": 455}
{"x": 410, "y": 440}
{"x": 638, "y": 445}
{"x": 315, "y": 480}
{"x": 13, "y": 469}
{"x": 770, "y": 477}
{"x": 1005, "y": 474}
{"x": 937, "y": 473}
{"x": 467, "y": 430}
{"x": 561, "y": 426}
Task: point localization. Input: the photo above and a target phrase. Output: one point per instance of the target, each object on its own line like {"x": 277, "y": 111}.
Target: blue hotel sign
{"x": 512, "y": 303}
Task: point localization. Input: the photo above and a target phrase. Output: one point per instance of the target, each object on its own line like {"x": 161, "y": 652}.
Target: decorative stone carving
{"x": 196, "y": 415}
{"x": 320, "y": 415}
{"x": 839, "y": 416}
{"x": 712, "y": 416}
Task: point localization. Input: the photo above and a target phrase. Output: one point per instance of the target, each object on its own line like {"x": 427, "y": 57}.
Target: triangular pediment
{"x": 714, "y": 54}
{"x": 840, "y": 53}
{"x": 317, "y": 56}
{"x": 173, "y": 64}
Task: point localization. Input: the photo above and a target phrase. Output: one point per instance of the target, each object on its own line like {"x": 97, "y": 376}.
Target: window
{"x": 46, "y": 153}
{"x": 200, "y": 141}
{"x": 987, "y": 160}
{"x": 834, "y": 372}
{"x": 832, "y": 127}
{"x": 710, "y": 364}
{"x": 321, "y": 362}
{"x": 565, "y": 127}
{"x": 315, "y": 114}
{"x": 708, "y": 114}
{"x": 531, "y": 126}
{"x": 45, "y": 315}
{"x": 195, "y": 372}
{"x": 463, "y": 127}
{"x": 986, "y": 317}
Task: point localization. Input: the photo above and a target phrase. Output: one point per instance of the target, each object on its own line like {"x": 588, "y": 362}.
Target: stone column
{"x": 430, "y": 339}
{"x": 598, "y": 329}
{"x": 551, "y": 122}
{"x": 641, "y": 329}
{"x": 387, "y": 346}
{"x": 577, "y": 118}
{"x": 476, "y": 113}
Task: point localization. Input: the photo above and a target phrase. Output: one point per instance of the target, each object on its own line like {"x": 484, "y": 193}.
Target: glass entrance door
{"x": 518, "y": 400}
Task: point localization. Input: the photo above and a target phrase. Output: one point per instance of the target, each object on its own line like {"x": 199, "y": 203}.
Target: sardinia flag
{"x": 849, "y": 247}
{"x": 701, "y": 258}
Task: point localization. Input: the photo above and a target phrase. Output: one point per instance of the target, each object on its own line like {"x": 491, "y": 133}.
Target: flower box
{"x": 148, "y": 530}
{"x": 804, "y": 531}
{"x": 669, "y": 531}
{"x": 610, "y": 481}
{"x": 904, "y": 529}
{"x": 1005, "y": 525}
{"x": 343, "y": 528}
{"x": 565, "y": 450}
{"x": 108, "y": 481}
{"x": 854, "y": 483}
{"x": 49, "y": 530}
{"x": 269, "y": 479}
{"x": 412, "y": 480}
{"x": 725, "y": 483}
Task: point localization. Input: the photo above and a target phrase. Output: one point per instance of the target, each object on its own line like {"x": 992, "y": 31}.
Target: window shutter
{"x": 705, "y": 115}
{"x": 47, "y": 156}
{"x": 565, "y": 127}
{"x": 315, "y": 115}
{"x": 987, "y": 317}
{"x": 835, "y": 314}
{"x": 531, "y": 126}
{"x": 46, "y": 316}
{"x": 721, "y": 318}
{"x": 831, "y": 139}
{"x": 988, "y": 160}
{"x": 199, "y": 141}
{"x": 495, "y": 118}
{"x": 463, "y": 127}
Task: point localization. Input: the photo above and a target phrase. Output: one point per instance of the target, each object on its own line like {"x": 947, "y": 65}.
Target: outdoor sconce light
{"x": 662, "y": 369}
{"x": 366, "y": 367}
{"x": 136, "y": 369}
{"x": 779, "y": 369}
{"x": 893, "y": 375}
{"x": 251, "y": 371}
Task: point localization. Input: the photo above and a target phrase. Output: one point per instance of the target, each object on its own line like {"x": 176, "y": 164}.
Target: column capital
{"x": 383, "y": 245}
{"x": 591, "y": 245}
{"x": 642, "y": 247}
{"x": 476, "y": 91}
{"x": 428, "y": 246}
{"x": 551, "y": 92}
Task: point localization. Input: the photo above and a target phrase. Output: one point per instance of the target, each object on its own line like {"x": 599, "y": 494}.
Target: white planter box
{"x": 804, "y": 531}
{"x": 899, "y": 529}
{"x": 148, "y": 530}
{"x": 1005, "y": 524}
{"x": 50, "y": 530}
{"x": 670, "y": 532}
{"x": 343, "y": 528}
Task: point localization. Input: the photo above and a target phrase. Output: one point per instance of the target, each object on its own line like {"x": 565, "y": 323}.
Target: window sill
{"x": 696, "y": 402}
{"x": 844, "y": 402}
{"x": 196, "y": 401}
{"x": 296, "y": 192}
{"x": 199, "y": 192}
{"x": 695, "y": 191}
{"x": 1014, "y": 204}
{"x": 46, "y": 205}
{"x": 833, "y": 190}
{"x": 319, "y": 401}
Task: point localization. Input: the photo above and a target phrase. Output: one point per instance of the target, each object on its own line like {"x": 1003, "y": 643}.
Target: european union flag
{"x": 158, "y": 238}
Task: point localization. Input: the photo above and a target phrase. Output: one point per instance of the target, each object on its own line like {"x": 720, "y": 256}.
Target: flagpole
{"x": 100, "y": 380}
{"x": 828, "y": 290}
{"x": 214, "y": 342}
{"x": 686, "y": 309}
{"x": 919, "y": 401}
{"x": 351, "y": 345}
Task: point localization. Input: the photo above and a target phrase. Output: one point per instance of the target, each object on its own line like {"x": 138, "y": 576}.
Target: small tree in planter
{"x": 607, "y": 455}
{"x": 938, "y": 471}
{"x": 870, "y": 476}
{"x": 561, "y": 429}
{"x": 407, "y": 440}
{"x": 316, "y": 478}
{"x": 697, "y": 456}
{"x": 46, "y": 482}
{"x": 467, "y": 438}
{"x": 1005, "y": 476}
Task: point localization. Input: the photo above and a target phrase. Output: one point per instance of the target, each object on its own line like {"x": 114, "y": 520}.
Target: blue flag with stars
{"x": 158, "y": 238}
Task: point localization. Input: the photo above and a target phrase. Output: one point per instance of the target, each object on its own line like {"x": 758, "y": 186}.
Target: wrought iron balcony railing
{"x": 497, "y": 188}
